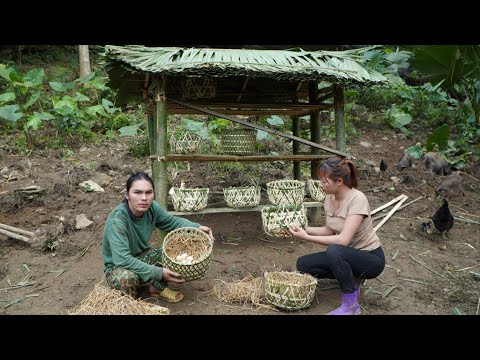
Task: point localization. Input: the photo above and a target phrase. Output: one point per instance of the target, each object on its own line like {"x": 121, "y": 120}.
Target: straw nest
{"x": 289, "y": 290}
{"x": 238, "y": 141}
{"x": 240, "y": 197}
{"x": 315, "y": 190}
{"x": 276, "y": 219}
{"x": 286, "y": 192}
{"x": 247, "y": 290}
{"x": 106, "y": 301}
{"x": 185, "y": 143}
{"x": 187, "y": 251}
{"x": 189, "y": 199}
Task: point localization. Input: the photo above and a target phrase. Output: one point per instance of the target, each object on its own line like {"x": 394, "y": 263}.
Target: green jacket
{"x": 125, "y": 237}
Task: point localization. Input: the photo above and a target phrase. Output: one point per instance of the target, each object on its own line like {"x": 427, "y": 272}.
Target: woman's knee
{"x": 301, "y": 265}
{"x": 335, "y": 251}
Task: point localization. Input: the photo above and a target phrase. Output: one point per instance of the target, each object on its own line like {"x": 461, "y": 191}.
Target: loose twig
{"x": 470, "y": 267}
{"x": 426, "y": 267}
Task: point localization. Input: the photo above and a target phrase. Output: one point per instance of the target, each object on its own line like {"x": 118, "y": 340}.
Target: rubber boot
{"x": 349, "y": 305}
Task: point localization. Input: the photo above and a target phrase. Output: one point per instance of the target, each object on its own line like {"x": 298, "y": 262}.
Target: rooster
{"x": 443, "y": 219}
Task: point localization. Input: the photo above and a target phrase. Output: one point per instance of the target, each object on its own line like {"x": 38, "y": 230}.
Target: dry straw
{"x": 193, "y": 242}
{"x": 106, "y": 301}
{"x": 276, "y": 219}
{"x": 247, "y": 290}
{"x": 315, "y": 190}
{"x": 185, "y": 143}
{"x": 289, "y": 290}
{"x": 286, "y": 192}
{"x": 189, "y": 199}
{"x": 241, "y": 197}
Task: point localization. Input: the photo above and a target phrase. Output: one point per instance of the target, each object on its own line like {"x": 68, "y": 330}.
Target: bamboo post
{"x": 296, "y": 147}
{"x": 315, "y": 137}
{"x": 17, "y": 230}
{"x": 338, "y": 100}
{"x": 15, "y": 236}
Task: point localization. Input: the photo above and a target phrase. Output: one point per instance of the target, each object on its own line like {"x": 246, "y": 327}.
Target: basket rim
{"x": 271, "y": 208}
{"x": 168, "y": 237}
{"x": 231, "y": 188}
{"x": 276, "y": 184}
{"x": 190, "y": 189}
{"x": 313, "y": 280}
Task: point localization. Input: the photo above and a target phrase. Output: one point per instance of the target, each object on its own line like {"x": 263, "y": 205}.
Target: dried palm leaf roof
{"x": 291, "y": 65}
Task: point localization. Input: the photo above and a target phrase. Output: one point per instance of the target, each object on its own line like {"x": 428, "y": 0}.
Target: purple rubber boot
{"x": 349, "y": 305}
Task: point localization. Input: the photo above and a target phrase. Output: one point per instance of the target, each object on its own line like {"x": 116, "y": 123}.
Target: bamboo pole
{"x": 15, "y": 236}
{"x": 257, "y": 158}
{"x": 400, "y": 208}
{"x": 386, "y": 205}
{"x": 391, "y": 212}
{"x": 339, "y": 101}
{"x": 16, "y": 230}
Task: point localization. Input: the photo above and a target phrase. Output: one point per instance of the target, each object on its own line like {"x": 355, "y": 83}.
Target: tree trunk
{"x": 84, "y": 58}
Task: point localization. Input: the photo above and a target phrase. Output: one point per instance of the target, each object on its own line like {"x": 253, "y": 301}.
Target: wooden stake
{"x": 405, "y": 197}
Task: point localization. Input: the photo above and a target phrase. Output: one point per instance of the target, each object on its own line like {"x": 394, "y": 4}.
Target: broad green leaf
{"x": 9, "y": 112}
{"x": 33, "y": 122}
{"x": 261, "y": 135}
{"x": 275, "y": 120}
{"x": 192, "y": 125}
{"x": 415, "y": 151}
{"x": 34, "y": 77}
{"x": 96, "y": 109}
{"x": 80, "y": 97}
{"x": 86, "y": 78}
{"x": 439, "y": 137}
{"x": 35, "y": 96}
{"x": 109, "y": 107}
{"x": 5, "y": 72}
{"x": 61, "y": 86}
{"x": 6, "y": 97}
{"x": 130, "y": 130}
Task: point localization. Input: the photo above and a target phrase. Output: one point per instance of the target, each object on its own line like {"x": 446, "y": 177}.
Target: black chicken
{"x": 383, "y": 166}
{"x": 443, "y": 219}
{"x": 426, "y": 227}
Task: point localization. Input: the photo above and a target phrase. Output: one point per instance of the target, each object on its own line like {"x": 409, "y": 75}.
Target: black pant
{"x": 343, "y": 263}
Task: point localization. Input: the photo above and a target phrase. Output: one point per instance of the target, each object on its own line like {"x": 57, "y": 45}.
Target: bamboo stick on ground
{"x": 405, "y": 197}
{"x": 16, "y": 230}
{"x": 15, "y": 236}
{"x": 400, "y": 208}
{"x": 387, "y": 204}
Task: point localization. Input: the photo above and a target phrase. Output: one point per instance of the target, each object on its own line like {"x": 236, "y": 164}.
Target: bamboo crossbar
{"x": 14, "y": 235}
{"x": 257, "y": 158}
{"x": 16, "y": 230}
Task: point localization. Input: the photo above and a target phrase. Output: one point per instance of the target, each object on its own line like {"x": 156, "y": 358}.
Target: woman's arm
{"x": 352, "y": 222}
{"x": 323, "y": 230}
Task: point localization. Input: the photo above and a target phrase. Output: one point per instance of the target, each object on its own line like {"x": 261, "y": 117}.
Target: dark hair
{"x": 336, "y": 168}
{"x": 139, "y": 175}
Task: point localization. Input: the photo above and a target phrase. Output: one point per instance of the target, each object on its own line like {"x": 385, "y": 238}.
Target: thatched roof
{"x": 290, "y": 65}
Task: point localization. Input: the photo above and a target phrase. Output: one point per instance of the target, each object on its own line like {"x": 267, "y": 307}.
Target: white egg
{"x": 184, "y": 255}
{"x": 190, "y": 258}
{"x": 184, "y": 262}
{"x": 189, "y": 262}
{"x": 179, "y": 258}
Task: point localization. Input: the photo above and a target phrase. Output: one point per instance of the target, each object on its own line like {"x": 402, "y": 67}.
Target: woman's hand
{"x": 207, "y": 230}
{"x": 297, "y": 231}
{"x": 172, "y": 276}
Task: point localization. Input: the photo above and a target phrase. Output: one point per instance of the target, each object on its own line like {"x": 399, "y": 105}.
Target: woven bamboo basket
{"x": 315, "y": 190}
{"x": 238, "y": 142}
{"x": 289, "y": 290}
{"x": 286, "y": 192}
{"x": 184, "y": 199}
{"x": 241, "y": 197}
{"x": 193, "y": 242}
{"x": 185, "y": 143}
{"x": 276, "y": 219}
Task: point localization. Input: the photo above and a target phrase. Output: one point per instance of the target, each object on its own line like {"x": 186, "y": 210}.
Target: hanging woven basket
{"x": 286, "y": 192}
{"x": 238, "y": 142}
{"x": 187, "y": 251}
{"x": 189, "y": 199}
{"x": 289, "y": 290}
{"x": 276, "y": 219}
{"x": 242, "y": 197}
{"x": 315, "y": 190}
{"x": 185, "y": 143}
{"x": 199, "y": 87}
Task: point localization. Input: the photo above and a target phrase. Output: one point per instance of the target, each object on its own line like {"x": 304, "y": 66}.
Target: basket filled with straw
{"x": 276, "y": 219}
{"x": 187, "y": 251}
{"x": 238, "y": 141}
{"x": 185, "y": 143}
{"x": 184, "y": 199}
{"x": 289, "y": 290}
{"x": 283, "y": 192}
{"x": 242, "y": 197}
{"x": 315, "y": 190}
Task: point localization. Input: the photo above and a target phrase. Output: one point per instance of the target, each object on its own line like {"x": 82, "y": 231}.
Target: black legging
{"x": 343, "y": 263}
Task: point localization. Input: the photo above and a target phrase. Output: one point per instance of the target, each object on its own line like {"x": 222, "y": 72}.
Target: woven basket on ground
{"x": 286, "y": 192}
{"x": 238, "y": 141}
{"x": 276, "y": 219}
{"x": 289, "y": 290}
{"x": 185, "y": 143}
{"x": 315, "y": 190}
{"x": 240, "y": 197}
{"x": 193, "y": 242}
{"x": 189, "y": 199}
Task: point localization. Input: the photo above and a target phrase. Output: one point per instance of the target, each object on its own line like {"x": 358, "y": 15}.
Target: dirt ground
{"x": 425, "y": 273}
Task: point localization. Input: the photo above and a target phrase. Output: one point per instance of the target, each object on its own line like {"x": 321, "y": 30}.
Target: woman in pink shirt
{"x": 353, "y": 249}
